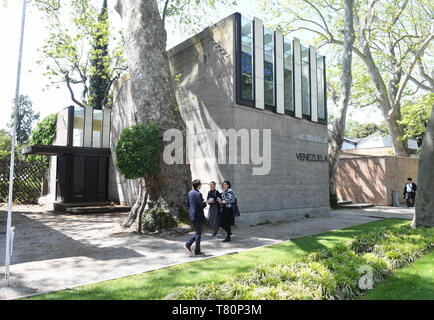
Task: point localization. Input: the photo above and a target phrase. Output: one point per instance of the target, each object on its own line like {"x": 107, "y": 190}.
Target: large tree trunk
{"x": 153, "y": 93}
{"x": 138, "y": 206}
{"x": 396, "y": 131}
{"x": 340, "y": 114}
{"x": 424, "y": 214}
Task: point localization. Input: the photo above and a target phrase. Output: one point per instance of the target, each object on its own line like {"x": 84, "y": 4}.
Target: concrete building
{"x": 237, "y": 75}
{"x": 376, "y": 144}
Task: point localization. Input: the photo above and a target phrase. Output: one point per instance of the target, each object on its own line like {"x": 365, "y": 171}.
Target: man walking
{"x": 410, "y": 192}
{"x": 196, "y": 205}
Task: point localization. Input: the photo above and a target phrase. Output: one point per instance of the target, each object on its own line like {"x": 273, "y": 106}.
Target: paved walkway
{"x": 57, "y": 251}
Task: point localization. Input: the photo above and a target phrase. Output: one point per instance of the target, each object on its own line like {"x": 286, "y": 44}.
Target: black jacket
{"x": 413, "y": 188}
{"x": 212, "y": 195}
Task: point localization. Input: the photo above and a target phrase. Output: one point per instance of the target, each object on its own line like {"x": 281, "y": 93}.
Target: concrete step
{"x": 342, "y": 202}
{"x": 356, "y": 205}
{"x": 88, "y": 208}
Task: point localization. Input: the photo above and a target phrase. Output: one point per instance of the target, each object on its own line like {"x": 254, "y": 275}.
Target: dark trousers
{"x": 198, "y": 227}
{"x": 409, "y": 199}
{"x": 226, "y": 220}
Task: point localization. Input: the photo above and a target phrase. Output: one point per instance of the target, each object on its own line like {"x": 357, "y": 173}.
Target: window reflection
{"x": 305, "y": 88}
{"x": 269, "y": 67}
{"x": 97, "y": 128}
{"x": 246, "y": 59}
{"x": 287, "y": 57}
{"x": 78, "y": 131}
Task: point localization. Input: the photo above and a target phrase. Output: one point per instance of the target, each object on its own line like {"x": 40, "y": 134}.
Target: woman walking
{"x": 227, "y": 217}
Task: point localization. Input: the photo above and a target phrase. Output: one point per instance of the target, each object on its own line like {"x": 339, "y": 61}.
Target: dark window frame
{"x": 238, "y": 46}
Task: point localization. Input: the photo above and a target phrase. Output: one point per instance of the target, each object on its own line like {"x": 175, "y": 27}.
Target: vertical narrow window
{"x": 78, "y": 131}
{"x": 110, "y": 130}
{"x": 97, "y": 128}
{"x": 305, "y": 81}
{"x": 269, "y": 77}
{"x": 246, "y": 59}
{"x": 287, "y": 57}
{"x": 321, "y": 87}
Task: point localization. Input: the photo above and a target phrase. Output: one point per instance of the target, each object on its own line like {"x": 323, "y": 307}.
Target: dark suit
{"x": 196, "y": 204}
{"x": 410, "y": 196}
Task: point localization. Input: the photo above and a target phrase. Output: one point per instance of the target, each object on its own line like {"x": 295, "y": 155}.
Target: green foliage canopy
{"x": 415, "y": 115}
{"x": 44, "y": 134}
{"x": 363, "y": 130}
{"x": 136, "y": 153}
{"x": 25, "y": 118}
{"x": 5, "y": 143}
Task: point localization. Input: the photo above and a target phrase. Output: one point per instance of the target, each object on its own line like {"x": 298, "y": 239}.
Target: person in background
{"x": 410, "y": 192}
{"x": 196, "y": 205}
{"x": 227, "y": 217}
{"x": 214, "y": 208}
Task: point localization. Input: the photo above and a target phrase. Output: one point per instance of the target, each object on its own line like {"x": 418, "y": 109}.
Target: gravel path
{"x": 55, "y": 251}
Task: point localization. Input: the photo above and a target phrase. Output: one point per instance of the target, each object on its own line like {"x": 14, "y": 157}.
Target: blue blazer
{"x": 196, "y": 204}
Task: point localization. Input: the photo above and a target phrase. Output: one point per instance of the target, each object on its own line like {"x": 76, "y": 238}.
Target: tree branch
{"x": 71, "y": 91}
{"x": 165, "y": 11}
{"x": 417, "y": 56}
{"x": 421, "y": 85}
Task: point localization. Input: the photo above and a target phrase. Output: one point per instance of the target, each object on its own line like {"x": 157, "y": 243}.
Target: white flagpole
{"x": 11, "y": 173}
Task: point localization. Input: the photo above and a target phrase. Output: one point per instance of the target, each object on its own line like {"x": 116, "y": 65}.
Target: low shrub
{"x": 158, "y": 218}
{"x": 332, "y": 273}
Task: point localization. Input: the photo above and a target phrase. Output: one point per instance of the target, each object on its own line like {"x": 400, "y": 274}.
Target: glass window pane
{"x": 246, "y": 58}
{"x": 320, "y": 85}
{"x": 269, "y": 66}
{"x": 305, "y": 89}
{"x": 287, "y": 57}
{"x": 97, "y": 128}
{"x": 77, "y": 133}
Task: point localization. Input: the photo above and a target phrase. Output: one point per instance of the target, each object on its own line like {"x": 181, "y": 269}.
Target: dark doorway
{"x": 82, "y": 178}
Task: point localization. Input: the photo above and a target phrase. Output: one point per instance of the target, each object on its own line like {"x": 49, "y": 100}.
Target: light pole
{"x": 11, "y": 172}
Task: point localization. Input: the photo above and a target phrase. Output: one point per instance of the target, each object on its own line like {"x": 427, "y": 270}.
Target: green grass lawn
{"x": 413, "y": 282}
{"x": 157, "y": 284}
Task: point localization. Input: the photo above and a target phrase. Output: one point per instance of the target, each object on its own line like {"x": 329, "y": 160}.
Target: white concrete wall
{"x": 62, "y": 128}
{"x": 106, "y": 128}
{"x": 259, "y": 63}
{"x": 313, "y": 85}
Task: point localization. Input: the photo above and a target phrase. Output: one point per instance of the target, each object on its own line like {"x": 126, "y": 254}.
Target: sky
{"x": 33, "y": 82}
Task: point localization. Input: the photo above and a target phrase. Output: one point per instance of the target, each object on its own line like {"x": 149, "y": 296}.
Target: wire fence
{"x": 28, "y": 180}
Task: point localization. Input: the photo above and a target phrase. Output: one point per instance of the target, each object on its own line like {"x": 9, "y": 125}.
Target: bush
{"x": 158, "y": 218}
{"x": 332, "y": 273}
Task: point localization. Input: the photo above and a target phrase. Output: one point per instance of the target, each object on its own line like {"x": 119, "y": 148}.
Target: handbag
{"x": 235, "y": 209}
